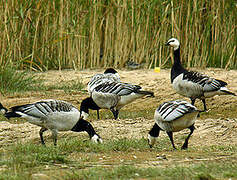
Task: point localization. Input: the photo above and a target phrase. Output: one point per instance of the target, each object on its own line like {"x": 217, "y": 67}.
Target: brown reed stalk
{"x": 44, "y": 35}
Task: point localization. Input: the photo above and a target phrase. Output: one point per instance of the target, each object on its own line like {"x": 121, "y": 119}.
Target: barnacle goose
{"x": 55, "y": 115}
{"x": 173, "y": 116}
{"x": 113, "y": 96}
{"x": 3, "y": 110}
{"x": 110, "y": 75}
{"x": 193, "y": 84}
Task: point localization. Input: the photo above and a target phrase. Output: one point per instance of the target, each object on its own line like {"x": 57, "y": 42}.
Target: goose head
{"x": 110, "y": 70}
{"x": 173, "y": 42}
{"x": 3, "y": 110}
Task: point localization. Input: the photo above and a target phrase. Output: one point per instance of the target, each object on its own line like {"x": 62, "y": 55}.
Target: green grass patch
{"x": 221, "y": 148}
{"x": 120, "y": 145}
{"x": 13, "y": 80}
{"x": 31, "y": 155}
{"x": 124, "y": 113}
{"x": 208, "y": 171}
{"x": 68, "y": 87}
{"x": 20, "y": 161}
{"x": 80, "y": 159}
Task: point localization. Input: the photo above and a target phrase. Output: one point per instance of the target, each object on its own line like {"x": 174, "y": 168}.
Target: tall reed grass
{"x": 58, "y": 34}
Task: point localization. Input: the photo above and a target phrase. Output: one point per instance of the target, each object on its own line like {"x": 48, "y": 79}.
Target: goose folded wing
{"x": 208, "y": 84}
{"x": 170, "y": 111}
{"x": 213, "y": 85}
{"x": 30, "y": 110}
{"x": 120, "y": 89}
{"x": 43, "y": 108}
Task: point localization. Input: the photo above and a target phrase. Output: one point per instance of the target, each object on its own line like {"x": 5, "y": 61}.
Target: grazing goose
{"x": 55, "y": 115}
{"x": 3, "y": 110}
{"x": 110, "y": 75}
{"x": 193, "y": 84}
{"x": 113, "y": 96}
{"x": 173, "y": 116}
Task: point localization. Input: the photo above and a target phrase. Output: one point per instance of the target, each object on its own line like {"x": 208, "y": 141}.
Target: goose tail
{"x": 11, "y": 114}
{"x": 224, "y": 90}
{"x": 147, "y": 93}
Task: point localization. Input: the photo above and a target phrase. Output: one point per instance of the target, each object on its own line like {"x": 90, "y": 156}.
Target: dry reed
{"x": 43, "y": 35}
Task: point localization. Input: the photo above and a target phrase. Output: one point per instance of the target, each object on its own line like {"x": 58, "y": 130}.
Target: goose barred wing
{"x": 120, "y": 89}
{"x": 99, "y": 79}
{"x": 43, "y": 108}
{"x": 213, "y": 85}
{"x": 172, "y": 110}
{"x": 208, "y": 84}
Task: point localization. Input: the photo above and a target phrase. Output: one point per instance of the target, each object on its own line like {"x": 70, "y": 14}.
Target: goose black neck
{"x": 83, "y": 125}
{"x": 155, "y": 131}
{"x": 177, "y": 67}
{"x": 177, "y": 57}
{"x": 87, "y": 104}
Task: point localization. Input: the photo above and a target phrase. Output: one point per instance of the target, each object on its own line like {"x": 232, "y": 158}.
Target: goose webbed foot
{"x": 185, "y": 146}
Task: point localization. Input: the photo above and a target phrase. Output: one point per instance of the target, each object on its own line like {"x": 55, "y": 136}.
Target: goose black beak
{"x": 167, "y": 44}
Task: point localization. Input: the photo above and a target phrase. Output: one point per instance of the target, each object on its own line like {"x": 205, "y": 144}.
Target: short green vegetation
{"x": 116, "y": 159}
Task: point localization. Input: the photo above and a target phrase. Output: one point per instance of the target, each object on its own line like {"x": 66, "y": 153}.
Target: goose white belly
{"x": 105, "y": 100}
{"x": 62, "y": 121}
{"x": 128, "y": 99}
{"x": 187, "y": 88}
{"x": 179, "y": 124}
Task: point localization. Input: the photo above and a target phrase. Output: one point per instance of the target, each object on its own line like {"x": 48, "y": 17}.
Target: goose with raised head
{"x": 54, "y": 115}
{"x": 193, "y": 84}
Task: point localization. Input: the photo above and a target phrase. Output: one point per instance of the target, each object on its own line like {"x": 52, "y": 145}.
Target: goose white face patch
{"x": 2, "y": 111}
{"x": 151, "y": 140}
{"x": 173, "y": 42}
{"x": 84, "y": 115}
{"x": 96, "y": 139}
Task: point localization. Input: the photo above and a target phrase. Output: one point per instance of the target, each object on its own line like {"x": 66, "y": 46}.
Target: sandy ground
{"x": 219, "y": 130}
